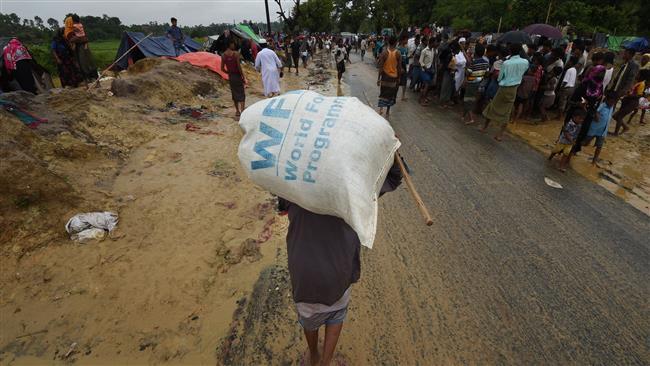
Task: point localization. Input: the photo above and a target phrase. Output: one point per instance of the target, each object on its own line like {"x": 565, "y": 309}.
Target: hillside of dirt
{"x": 197, "y": 247}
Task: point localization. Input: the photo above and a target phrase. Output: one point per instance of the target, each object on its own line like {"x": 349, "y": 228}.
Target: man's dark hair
{"x": 417, "y": 37}
{"x": 392, "y": 41}
{"x": 578, "y": 46}
{"x": 479, "y": 50}
{"x": 75, "y": 18}
{"x": 547, "y": 43}
{"x": 597, "y": 57}
{"x": 578, "y": 112}
{"x": 491, "y": 48}
{"x": 174, "y": 20}
{"x": 609, "y": 57}
{"x": 557, "y": 70}
{"x": 573, "y": 61}
{"x": 557, "y": 52}
{"x": 432, "y": 41}
{"x": 611, "y": 95}
{"x": 630, "y": 51}
{"x": 515, "y": 48}
{"x": 537, "y": 56}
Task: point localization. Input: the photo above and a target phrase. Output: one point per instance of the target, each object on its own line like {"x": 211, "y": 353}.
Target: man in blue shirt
{"x": 176, "y": 35}
{"x": 510, "y": 75}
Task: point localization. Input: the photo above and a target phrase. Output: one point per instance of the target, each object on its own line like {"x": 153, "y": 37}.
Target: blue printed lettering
{"x": 290, "y": 169}
{"x": 321, "y": 143}
{"x": 277, "y": 111}
{"x": 260, "y": 147}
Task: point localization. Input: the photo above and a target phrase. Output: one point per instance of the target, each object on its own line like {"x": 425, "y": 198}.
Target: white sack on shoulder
{"x": 99, "y": 220}
{"x": 329, "y": 155}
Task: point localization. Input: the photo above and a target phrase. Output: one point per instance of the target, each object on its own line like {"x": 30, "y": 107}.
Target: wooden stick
{"x": 118, "y": 60}
{"x": 409, "y": 182}
{"x": 413, "y": 191}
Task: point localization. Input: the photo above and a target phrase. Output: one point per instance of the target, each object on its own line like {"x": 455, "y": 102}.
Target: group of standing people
{"x": 507, "y": 82}
{"x": 72, "y": 54}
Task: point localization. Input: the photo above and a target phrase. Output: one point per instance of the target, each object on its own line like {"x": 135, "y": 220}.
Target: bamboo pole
{"x": 94, "y": 85}
{"x": 409, "y": 182}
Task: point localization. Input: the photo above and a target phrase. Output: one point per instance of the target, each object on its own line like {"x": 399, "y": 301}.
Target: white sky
{"x": 188, "y": 12}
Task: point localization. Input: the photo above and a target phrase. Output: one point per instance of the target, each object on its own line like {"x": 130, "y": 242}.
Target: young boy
{"x": 567, "y": 138}
{"x": 600, "y": 124}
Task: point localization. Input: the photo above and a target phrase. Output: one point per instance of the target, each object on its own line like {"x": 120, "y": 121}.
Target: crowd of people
{"x": 512, "y": 82}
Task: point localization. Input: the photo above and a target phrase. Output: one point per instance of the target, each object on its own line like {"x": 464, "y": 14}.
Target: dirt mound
{"x": 67, "y": 164}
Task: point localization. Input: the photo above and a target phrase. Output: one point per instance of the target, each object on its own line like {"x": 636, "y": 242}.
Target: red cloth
{"x": 206, "y": 60}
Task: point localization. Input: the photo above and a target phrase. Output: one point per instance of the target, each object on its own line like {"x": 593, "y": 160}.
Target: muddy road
{"x": 512, "y": 271}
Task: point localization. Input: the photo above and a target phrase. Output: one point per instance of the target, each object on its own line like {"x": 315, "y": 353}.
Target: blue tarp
{"x": 639, "y": 44}
{"x": 154, "y": 46}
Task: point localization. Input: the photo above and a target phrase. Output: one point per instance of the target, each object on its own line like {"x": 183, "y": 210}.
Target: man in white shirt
{"x": 609, "y": 68}
{"x": 340, "y": 53}
{"x": 567, "y": 86}
{"x": 428, "y": 64}
{"x": 364, "y": 45}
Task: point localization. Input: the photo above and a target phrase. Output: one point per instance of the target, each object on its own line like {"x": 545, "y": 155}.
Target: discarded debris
{"x": 91, "y": 226}
{"x": 552, "y": 183}
{"x": 194, "y": 128}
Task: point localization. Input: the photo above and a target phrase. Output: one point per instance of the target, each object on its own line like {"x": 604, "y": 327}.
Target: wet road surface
{"x": 512, "y": 271}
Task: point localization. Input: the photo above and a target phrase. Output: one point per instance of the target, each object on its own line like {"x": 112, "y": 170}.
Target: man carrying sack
{"x": 324, "y": 261}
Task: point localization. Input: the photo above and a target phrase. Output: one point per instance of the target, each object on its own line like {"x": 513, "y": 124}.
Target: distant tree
{"x": 39, "y": 22}
{"x": 290, "y": 21}
{"x": 53, "y": 23}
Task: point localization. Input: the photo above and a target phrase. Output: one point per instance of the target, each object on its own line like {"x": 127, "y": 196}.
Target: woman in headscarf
{"x": 68, "y": 72}
{"x": 78, "y": 41}
{"x": 18, "y": 63}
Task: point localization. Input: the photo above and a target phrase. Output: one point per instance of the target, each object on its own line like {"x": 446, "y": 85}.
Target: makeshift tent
{"x": 41, "y": 75}
{"x": 614, "y": 43}
{"x": 206, "y": 60}
{"x": 639, "y": 44}
{"x": 150, "y": 47}
{"x": 249, "y": 32}
{"x": 208, "y": 42}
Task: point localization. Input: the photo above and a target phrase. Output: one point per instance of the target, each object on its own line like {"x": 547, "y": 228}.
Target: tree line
{"x": 614, "y": 17}
{"x": 37, "y": 30}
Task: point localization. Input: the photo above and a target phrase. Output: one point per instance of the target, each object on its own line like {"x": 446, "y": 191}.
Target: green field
{"x": 103, "y": 53}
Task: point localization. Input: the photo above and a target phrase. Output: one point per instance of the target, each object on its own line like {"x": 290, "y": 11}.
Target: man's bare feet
{"x": 470, "y": 122}
{"x": 498, "y": 138}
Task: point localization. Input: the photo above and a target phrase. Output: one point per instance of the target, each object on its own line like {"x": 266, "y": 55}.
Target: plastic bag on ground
{"x": 88, "y": 235}
{"x": 329, "y": 155}
{"x": 99, "y": 220}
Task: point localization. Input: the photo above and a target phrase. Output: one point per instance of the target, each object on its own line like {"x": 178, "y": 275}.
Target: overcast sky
{"x": 188, "y": 12}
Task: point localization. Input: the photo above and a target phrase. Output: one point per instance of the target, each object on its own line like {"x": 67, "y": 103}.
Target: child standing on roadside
{"x": 567, "y": 138}
{"x": 600, "y": 124}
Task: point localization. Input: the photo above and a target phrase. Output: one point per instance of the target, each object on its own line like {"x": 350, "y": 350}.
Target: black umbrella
{"x": 515, "y": 37}
{"x": 545, "y": 30}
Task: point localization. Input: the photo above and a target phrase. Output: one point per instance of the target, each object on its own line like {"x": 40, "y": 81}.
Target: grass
{"x": 103, "y": 53}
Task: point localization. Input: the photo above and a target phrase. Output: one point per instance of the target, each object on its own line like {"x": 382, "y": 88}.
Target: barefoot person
{"x": 510, "y": 76}
{"x": 232, "y": 65}
{"x": 567, "y": 138}
{"x": 269, "y": 64}
{"x": 340, "y": 54}
{"x": 600, "y": 125}
{"x": 324, "y": 261}
{"x": 390, "y": 70}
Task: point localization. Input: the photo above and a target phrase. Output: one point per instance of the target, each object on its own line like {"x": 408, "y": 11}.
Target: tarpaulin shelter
{"x": 244, "y": 31}
{"x": 639, "y": 44}
{"x": 206, "y": 60}
{"x": 42, "y": 77}
{"x": 150, "y": 47}
{"x": 615, "y": 43}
